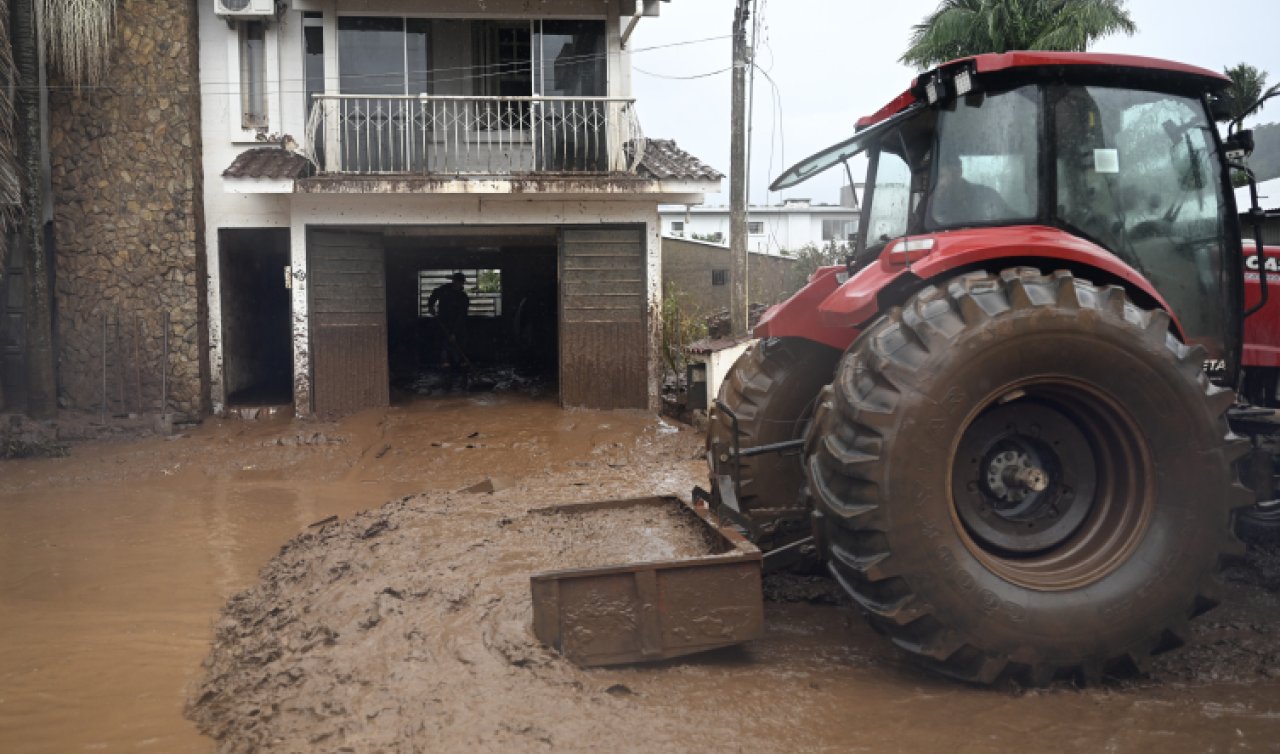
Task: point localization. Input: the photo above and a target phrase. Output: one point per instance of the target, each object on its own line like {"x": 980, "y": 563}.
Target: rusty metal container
{"x": 646, "y": 611}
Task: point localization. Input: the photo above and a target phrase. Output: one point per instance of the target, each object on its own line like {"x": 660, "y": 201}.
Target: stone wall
{"x": 687, "y": 268}
{"x": 127, "y": 220}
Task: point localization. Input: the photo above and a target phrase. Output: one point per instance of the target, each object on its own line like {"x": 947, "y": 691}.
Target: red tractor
{"x": 994, "y": 424}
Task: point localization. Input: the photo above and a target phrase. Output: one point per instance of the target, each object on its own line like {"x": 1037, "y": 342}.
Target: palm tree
{"x": 1248, "y": 90}
{"x": 959, "y": 28}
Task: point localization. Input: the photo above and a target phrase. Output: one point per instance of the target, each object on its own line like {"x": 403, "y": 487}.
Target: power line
{"x": 682, "y": 78}
{"x": 473, "y": 72}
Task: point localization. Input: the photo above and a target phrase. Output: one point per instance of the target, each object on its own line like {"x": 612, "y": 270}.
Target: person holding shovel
{"x": 448, "y": 304}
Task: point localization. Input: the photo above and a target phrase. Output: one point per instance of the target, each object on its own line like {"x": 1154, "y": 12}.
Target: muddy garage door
{"x": 604, "y": 344}
{"x": 348, "y": 302}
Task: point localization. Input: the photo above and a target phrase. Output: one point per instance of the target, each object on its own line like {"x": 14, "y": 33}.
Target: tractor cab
{"x": 1119, "y": 152}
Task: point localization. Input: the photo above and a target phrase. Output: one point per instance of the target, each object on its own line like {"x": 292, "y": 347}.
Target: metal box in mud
{"x": 652, "y": 609}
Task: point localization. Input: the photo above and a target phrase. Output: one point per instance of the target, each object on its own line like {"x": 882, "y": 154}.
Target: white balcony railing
{"x": 369, "y": 134}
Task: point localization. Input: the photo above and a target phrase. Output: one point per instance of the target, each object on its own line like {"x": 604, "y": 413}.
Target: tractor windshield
{"x": 987, "y": 161}
{"x": 1137, "y": 173}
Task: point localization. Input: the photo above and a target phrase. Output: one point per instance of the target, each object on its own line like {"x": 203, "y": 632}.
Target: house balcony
{"x": 463, "y": 136}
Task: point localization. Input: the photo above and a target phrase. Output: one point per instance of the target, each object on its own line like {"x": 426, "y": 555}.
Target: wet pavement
{"x": 115, "y": 563}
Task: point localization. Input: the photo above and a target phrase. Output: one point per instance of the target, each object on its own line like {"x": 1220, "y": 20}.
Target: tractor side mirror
{"x": 1239, "y": 145}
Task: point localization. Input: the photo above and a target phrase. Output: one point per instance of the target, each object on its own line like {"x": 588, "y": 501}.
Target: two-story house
{"x": 410, "y": 140}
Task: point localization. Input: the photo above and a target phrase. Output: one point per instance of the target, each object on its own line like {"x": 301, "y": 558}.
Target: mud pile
{"x": 407, "y": 629}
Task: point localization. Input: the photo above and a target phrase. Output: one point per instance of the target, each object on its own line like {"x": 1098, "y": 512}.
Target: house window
{"x": 839, "y": 229}
{"x": 572, "y": 59}
{"x": 484, "y": 287}
{"x": 755, "y": 228}
{"x": 313, "y": 57}
{"x": 677, "y": 228}
{"x": 380, "y": 55}
{"x": 253, "y": 74}
{"x": 719, "y": 277}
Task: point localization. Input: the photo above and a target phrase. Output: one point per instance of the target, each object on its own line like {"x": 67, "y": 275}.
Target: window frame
{"x": 237, "y": 131}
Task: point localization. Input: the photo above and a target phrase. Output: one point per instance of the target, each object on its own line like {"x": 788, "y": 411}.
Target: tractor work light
{"x": 964, "y": 83}
{"x": 934, "y": 90}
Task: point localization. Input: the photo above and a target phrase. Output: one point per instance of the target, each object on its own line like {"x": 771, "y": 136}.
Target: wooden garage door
{"x": 604, "y": 345}
{"x": 348, "y": 305}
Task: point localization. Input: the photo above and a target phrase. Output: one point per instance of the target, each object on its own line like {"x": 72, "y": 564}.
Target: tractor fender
{"x": 859, "y": 300}
{"x": 797, "y": 317}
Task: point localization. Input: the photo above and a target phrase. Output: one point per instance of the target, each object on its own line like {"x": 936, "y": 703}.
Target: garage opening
{"x": 508, "y": 338}
{"x": 257, "y": 350}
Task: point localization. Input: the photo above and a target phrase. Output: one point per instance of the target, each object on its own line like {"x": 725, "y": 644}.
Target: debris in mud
{"x": 323, "y": 522}
{"x": 1239, "y": 642}
{"x": 487, "y": 486}
{"x": 21, "y": 437}
{"x": 306, "y": 439}
{"x": 786, "y": 587}
{"x": 503, "y": 379}
{"x": 13, "y": 447}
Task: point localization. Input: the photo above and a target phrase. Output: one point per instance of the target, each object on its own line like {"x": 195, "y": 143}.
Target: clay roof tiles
{"x": 270, "y": 163}
{"x": 664, "y": 160}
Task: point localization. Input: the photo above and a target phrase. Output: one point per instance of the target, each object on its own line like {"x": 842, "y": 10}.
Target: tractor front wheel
{"x": 771, "y": 389}
{"x": 1025, "y": 475}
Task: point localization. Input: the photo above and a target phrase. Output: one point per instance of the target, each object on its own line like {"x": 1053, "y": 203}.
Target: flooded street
{"x": 406, "y": 628}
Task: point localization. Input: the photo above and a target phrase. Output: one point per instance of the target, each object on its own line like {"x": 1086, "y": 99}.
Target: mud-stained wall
{"x": 687, "y": 268}
{"x": 126, "y": 174}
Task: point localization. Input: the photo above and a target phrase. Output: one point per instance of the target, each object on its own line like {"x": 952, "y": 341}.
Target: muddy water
{"x": 115, "y": 563}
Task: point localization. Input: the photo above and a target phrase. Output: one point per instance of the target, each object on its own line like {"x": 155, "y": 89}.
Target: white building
{"x": 770, "y": 230}
{"x": 495, "y": 138}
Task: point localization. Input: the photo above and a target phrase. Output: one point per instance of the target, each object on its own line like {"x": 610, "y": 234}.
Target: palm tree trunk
{"x": 41, "y": 388}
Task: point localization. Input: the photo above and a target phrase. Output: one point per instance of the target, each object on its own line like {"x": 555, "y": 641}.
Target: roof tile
{"x": 664, "y": 160}
{"x": 271, "y": 163}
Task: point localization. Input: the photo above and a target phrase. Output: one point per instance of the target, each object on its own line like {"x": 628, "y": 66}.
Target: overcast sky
{"x": 834, "y": 61}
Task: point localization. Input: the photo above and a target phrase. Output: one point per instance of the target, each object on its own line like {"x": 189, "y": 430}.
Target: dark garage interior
{"x": 509, "y": 339}
{"x": 256, "y": 343}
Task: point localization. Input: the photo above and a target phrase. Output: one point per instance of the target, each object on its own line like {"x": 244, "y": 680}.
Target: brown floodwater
{"x": 115, "y": 563}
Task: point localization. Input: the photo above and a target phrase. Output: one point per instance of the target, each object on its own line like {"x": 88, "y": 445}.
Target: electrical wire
{"x": 682, "y": 78}
{"x": 296, "y": 85}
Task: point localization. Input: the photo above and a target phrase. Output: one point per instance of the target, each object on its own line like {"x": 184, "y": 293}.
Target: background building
{"x": 770, "y": 230}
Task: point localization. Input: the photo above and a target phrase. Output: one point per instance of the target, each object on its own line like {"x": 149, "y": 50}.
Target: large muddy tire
{"x": 772, "y": 389}
{"x": 1025, "y": 475}
{"x": 1259, "y": 526}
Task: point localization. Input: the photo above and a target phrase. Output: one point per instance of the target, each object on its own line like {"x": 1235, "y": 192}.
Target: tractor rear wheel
{"x": 771, "y": 388}
{"x": 1025, "y": 475}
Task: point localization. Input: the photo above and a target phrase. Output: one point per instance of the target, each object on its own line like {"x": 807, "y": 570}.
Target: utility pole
{"x": 738, "y": 174}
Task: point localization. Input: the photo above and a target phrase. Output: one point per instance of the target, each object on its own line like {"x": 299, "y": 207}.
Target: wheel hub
{"x": 1012, "y": 475}
{"x": 1025, "y": 478}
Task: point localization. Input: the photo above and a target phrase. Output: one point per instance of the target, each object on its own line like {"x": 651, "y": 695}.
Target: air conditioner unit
{"x": 245, "y": 8}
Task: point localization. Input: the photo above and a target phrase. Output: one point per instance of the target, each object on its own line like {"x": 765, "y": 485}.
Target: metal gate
{"x": 348, "y": 305}
{"x": 604, "y": 344}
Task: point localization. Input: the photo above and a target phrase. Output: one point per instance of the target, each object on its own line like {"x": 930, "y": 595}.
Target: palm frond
{"x": 10, "y": 193}
{"x": 959, "y": 28}
{"x": 78, "y": 38}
